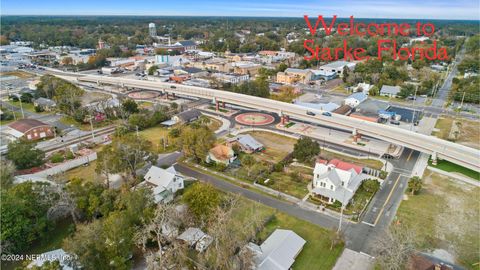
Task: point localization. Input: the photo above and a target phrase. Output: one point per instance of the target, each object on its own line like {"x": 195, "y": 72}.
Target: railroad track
{"x": 104, "y": 131}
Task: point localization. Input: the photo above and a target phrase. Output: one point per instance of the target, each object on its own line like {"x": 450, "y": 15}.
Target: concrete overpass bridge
{"x": 438, "y": 148}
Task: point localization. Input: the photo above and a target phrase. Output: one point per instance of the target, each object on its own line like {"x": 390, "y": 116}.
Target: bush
{"x": 69, "y": 155}
{"x": 39, "y": 109}
{"x": 57, "y": 158}
{"x": 383, "y": 174}
{"x": 174, "y": 133}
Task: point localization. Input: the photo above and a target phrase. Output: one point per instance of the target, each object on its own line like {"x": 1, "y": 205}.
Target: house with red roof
{"x": 30, "y": 129}
{"x": 336, "y": 180}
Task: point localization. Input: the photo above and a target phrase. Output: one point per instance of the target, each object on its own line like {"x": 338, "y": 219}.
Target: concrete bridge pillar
{"x": 217, "y": 105}
{"x": 223, "y": 104}
{"x": 434, "y": 158}
{"x": 356, "y": 135}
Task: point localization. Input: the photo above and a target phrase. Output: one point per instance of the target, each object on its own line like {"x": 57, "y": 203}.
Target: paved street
{"x": 291, "y": 209}
{"x": 359, "y": 237}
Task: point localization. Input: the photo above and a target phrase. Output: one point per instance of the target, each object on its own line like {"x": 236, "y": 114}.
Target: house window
{"x": 331, "y": 187}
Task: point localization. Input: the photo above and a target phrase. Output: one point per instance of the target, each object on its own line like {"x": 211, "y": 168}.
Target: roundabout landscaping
{"x": 254, "y": 119}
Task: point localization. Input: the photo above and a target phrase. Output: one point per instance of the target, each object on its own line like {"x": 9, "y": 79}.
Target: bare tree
{"x": 230, "y": 236}
{"x": 161, "y": 229}
{"x": 394, "y": 247}
{"x": 63, "y": 203}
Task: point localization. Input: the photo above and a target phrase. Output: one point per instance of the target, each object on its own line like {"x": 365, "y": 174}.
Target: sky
{"x": 407, "y": 9}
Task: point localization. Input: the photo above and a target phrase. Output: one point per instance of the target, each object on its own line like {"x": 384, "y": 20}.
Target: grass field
{"x": 372, "y": 163}
{"x": 316, "y": 253}
{"x": 20, "y": 74}
{"x": 85, "y": 172}
{"x": 276, "y": 146}
{"x": 443, "y": 127}
{"x": 18, "y": 115}
{"x": 452, "y": 167}
{"x": 445, "y": 216}
{"x": 154, "y": 135}
{"x": 26, "y": 106}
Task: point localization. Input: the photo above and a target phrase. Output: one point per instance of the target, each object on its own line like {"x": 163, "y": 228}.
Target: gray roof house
{"x": 278, "y": 251}
{"x": 44, "y": 103}
{"x": 388, "y": 90}
{"x": 247, "y": 143}
{"x": 163, "y": 182}
{"x": 187, "y": 116}
{"x": 196, "y": 238}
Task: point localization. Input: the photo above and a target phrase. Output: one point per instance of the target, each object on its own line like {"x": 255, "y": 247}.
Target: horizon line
{"x": 220, "y": 16}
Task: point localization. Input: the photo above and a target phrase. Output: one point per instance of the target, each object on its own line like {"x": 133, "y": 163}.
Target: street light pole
{"x": 21, "y": 107}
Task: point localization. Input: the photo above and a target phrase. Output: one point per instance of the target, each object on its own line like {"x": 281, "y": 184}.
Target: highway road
{"x": 462, "y": 155}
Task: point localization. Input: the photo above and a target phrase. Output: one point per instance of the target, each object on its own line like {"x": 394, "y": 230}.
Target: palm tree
{"x": 415, "y": 184}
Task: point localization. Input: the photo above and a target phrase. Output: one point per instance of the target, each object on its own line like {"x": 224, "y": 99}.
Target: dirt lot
{"x": 90, "y": 97}
{"x": 19, "y": 74}
{"x": 445, "y": 216}
{"x": 469, "y": 131}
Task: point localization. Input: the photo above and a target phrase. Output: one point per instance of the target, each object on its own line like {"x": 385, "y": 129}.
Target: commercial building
{"x": 30, "y": 129}
{"x": 294, "y": 75}
{"x": 338, "y": 67}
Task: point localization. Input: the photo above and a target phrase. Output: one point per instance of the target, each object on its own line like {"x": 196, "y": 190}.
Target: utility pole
{"x": 463, "y": 97}
{"x": 91, "y": 127}
{"x": 413, "y": 105}
{"x": 21, "y": 108}
{"x": 136, "y": 128}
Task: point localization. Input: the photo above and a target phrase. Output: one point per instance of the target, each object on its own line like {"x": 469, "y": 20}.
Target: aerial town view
{"x": 269, "y": 135}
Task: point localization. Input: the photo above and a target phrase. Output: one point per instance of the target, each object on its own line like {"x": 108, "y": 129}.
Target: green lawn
{"x": 18, "y": 115}
{"x": 155, "y": 134}
{"x": 372, "y": 163}
{"x": 445, "y": 215}
{"x": 85, "y": 172}
{"x": 69, "y": 121}
{"x": 443, "y": 125}
{"x": 316, "y": 253}
{"x": 452, "y": 167}
{"x": 26, "y": 106}
{"x": 283, "y": 182}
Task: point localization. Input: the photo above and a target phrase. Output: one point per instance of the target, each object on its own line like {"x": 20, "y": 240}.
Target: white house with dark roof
{"x": 163, "y": 182}
{"x": 278, "y": 251}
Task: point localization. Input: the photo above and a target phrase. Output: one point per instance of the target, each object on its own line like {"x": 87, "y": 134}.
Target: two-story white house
{"x": 163, "y": 182}
{"x": 336, "y": 181}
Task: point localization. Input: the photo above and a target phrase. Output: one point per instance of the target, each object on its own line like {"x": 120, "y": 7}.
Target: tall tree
{"x": 24, "y": 155}
{"x": 6, "y": 173}
{"x": 197, "y": 142}
{"x": 202, "y": 199}
{"x": 128, "y": 153}
{"x": 23, "y": 215}
{"x": 305, "y": 149}
{"x": 415, "y": 185}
